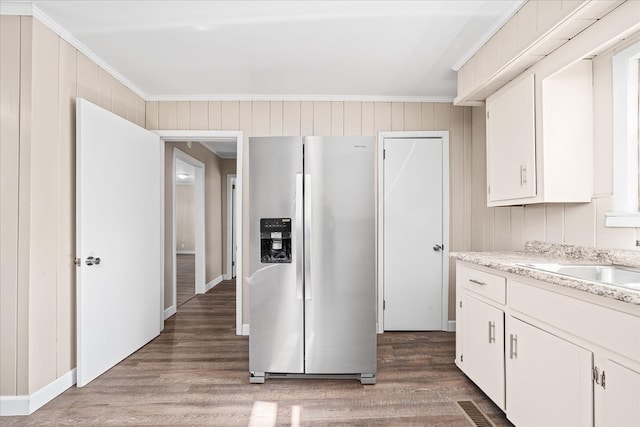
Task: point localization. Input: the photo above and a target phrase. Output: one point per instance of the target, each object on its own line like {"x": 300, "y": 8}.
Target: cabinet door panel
{"x": 511, "y": 142}
{"x": 548, "y": 378}
{"x": 483, "y": 344}
{"x": 618, "y": 402}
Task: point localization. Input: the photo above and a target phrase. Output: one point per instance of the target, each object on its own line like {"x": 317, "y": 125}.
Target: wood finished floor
{"x": 185, "y": 278}
{"x": 196, "y": 373}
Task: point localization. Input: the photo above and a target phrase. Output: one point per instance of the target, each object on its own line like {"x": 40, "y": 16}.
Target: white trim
{"x": 186, "y": 252}
{"x": 451, "y": 326}
{"x": 444, "y": 135}
{"x": 491, "y": 31}
{"x": 625, "y": 139}
{"x": 304, "y": 97}
{"x": 168, "y": 312}
{"x": 622, "y": 219}
{"x": 245, "y": 329}
{"x": 186, "y": 135}
{"x": 28, "y": 404}
{"x": 212, "y": 284}
{"x": 231, "y": 180}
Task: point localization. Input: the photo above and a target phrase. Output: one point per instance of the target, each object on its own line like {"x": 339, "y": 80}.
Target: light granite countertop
{"x": 541, "y": 253}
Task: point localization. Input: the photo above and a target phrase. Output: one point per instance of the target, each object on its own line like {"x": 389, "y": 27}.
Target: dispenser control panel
{"x": 275, "y": 240}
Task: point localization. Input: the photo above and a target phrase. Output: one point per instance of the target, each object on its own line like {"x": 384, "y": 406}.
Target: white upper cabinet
{"x": 540, "y": 139}
{"x": 511, "y": 143}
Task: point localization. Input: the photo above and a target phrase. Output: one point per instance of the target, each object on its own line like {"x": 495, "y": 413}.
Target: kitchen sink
{"x": 610, "y": 274}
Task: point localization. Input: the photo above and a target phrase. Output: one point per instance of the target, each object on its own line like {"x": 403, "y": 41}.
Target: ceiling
{"x": 185, "y": 173}
{"x": 280, "y": 49}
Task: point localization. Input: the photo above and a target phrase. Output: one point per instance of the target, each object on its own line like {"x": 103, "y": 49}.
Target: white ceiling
{"x": 185, "y": 173}
{"x": 281, "y": 49}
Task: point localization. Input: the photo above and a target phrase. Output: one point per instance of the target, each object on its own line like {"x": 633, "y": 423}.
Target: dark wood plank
{"x": 185, "y": 277}
{"x": 196, "y": 373}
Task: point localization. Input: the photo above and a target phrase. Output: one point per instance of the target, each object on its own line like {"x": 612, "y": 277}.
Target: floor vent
{"x": 475, "y": 416}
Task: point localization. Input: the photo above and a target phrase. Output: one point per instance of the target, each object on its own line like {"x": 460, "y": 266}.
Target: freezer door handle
{"x": 299, "y": 237}
{"x": 307, "y": 236}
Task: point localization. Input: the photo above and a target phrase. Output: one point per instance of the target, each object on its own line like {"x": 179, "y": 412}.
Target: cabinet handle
{"x": 596, "y": 375}
{"x": 477, "y": 282}
{"x": 513, "y": 346}
{"x": 492, "y": 332}
{"x": 602, "y": 380}
{"x": 523, "y": 175}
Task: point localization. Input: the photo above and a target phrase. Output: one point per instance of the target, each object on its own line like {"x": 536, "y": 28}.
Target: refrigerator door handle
{"x": 299, "y": 236}
{"x": 307, "y": 236}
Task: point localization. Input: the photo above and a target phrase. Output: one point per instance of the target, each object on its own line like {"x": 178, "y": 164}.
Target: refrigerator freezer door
{"x": 276, "y": 340}
{"x": 340, "y": 336}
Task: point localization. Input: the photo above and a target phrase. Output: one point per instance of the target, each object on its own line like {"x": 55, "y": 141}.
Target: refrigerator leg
{"x": 256, "y": 378}
{"x": 367, "y": 379}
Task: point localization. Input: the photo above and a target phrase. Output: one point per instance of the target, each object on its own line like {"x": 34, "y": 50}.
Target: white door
{"x": 118, "y": 220}
{"x": 413, "y": 234}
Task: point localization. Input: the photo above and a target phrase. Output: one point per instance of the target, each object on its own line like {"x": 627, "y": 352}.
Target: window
{"x": 626, "y": 140}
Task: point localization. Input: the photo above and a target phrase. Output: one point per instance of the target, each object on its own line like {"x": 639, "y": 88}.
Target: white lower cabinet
{"x": 483, "y": 343}
{"x": 545, "y": 357}
{"x": 548, "y": 378}
{"x": 616, "y": 394}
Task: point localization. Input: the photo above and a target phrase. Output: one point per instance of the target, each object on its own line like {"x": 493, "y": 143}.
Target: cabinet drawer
{"x": 485, "y": 284}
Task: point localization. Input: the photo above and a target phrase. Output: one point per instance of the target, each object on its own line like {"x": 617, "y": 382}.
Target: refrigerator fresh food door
{"x": 276, "y": 340}
{"x": 340, "y": 336}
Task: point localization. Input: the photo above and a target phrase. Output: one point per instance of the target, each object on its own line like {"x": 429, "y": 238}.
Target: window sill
{"x": 622, "y": 219}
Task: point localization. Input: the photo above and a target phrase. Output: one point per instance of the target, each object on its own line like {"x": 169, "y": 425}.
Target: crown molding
{"x": 276, "y": 97}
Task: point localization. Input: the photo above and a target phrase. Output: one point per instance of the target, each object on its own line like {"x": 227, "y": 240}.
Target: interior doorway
{"x": 219, "y": 140}
{"x": 188, "y": 227}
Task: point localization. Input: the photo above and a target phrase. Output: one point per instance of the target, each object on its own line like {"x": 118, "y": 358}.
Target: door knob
{"x": 437, "y": 248}
{"x": 92, "y": 261}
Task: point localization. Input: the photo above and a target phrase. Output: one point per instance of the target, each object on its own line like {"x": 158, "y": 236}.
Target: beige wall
{"x": 41, "y": 77}
{"x": 273, "y": 118}
{"x": 185, "y": 224}
{"x": 507, "y": 228}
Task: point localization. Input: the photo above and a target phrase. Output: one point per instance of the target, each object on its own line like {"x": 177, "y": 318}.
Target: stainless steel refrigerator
{"x": 312, "y": 258}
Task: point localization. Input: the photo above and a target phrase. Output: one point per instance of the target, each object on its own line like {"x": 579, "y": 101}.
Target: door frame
{"x": 198, "y": 222}
{"x": 213, "y": 135}
{"x": 231, "y": 181}
{"x": 444, "y": 136}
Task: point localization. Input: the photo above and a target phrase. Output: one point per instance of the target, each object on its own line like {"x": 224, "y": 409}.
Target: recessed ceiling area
{"x": 282, "y": 49}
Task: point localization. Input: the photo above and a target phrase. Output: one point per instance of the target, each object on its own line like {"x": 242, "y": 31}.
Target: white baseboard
{"x": 168, "y": 312}
{"x": 451, "y": 326}
{"x": 213, "y": 283}
{"x": 227, "y": 276}
{"x": 28, "y": 404}
{"x": 245, "y": 329}
{"x": 185, "y": 252}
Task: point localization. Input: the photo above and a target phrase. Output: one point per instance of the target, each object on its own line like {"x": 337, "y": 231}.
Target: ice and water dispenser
{"x": 275, "y": 240}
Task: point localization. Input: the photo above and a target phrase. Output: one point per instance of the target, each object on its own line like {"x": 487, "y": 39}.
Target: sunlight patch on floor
{"x": 265, "y": 414}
